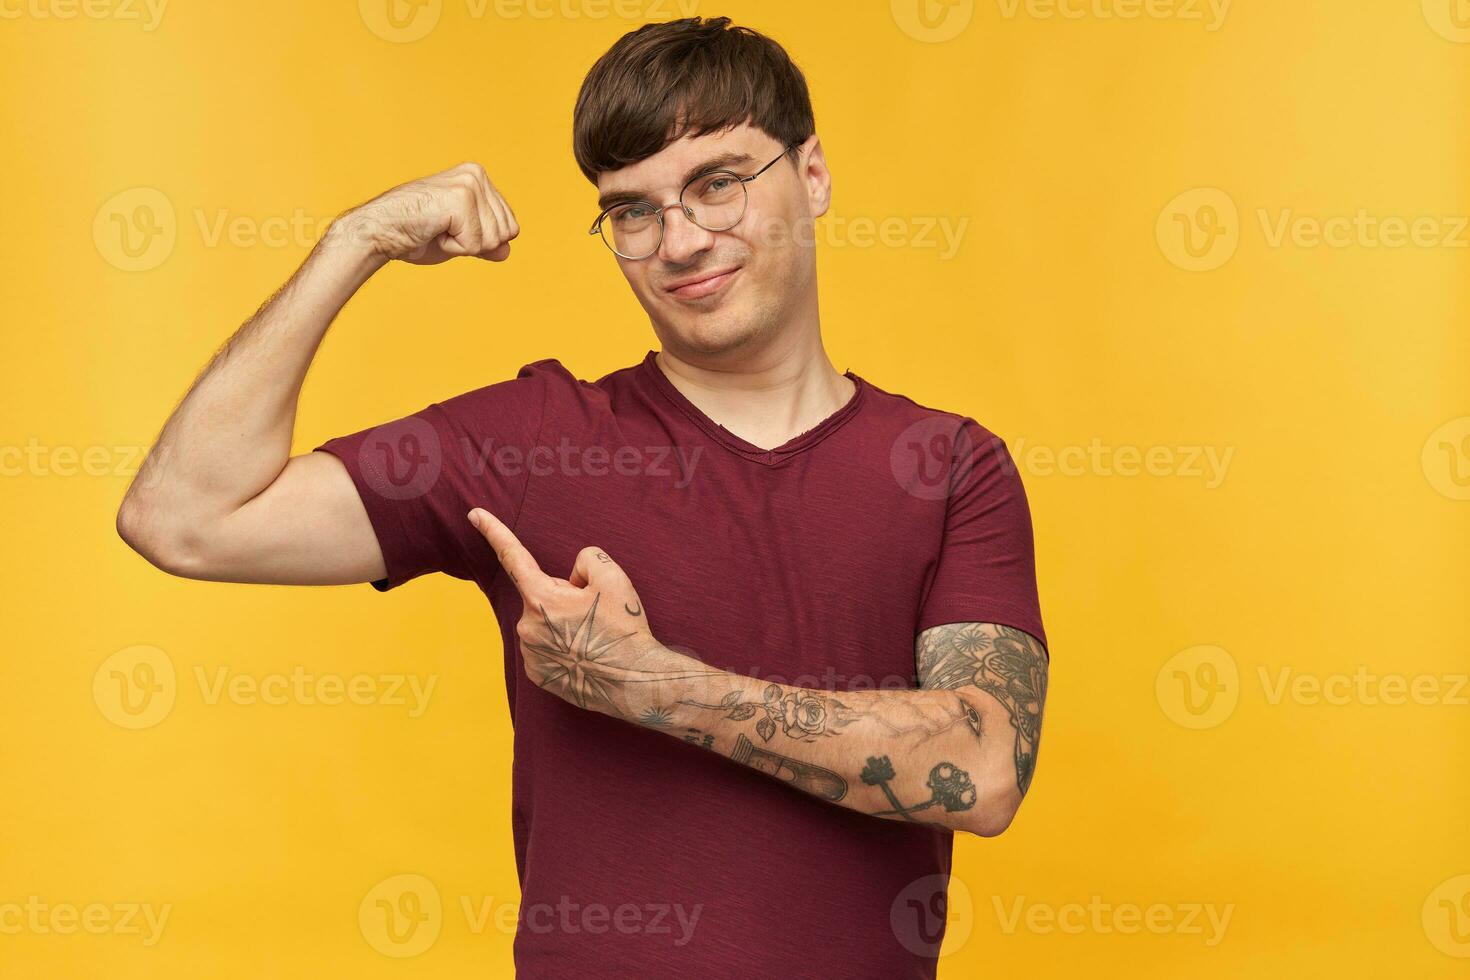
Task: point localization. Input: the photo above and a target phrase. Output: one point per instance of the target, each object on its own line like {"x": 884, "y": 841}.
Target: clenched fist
{"x": 433, "y": 219}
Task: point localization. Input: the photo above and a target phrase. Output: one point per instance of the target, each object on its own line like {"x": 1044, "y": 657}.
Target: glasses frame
{"x": 658, "y": 212}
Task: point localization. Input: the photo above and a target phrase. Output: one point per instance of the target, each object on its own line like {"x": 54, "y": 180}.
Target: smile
{"x": 704, "y": 287}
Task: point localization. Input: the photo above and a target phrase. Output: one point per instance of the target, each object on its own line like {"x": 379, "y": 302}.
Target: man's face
{"x": 712, "y": 292}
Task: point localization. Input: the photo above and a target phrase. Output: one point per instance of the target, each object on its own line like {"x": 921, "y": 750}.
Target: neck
{"x": 766, "y": 397}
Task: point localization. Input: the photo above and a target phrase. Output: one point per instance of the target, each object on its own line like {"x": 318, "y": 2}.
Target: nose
{"x": 683, "y": 239}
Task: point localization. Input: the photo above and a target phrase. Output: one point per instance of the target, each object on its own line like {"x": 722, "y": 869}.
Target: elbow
{"x": 165, "y": 548}
{"x": 994, "y": 810}
{"x": 991, "y": 823}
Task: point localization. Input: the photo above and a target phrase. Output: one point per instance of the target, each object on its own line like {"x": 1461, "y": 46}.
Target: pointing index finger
{"x": 518, "y": 563}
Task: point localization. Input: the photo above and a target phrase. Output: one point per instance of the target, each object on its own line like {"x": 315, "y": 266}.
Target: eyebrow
{"x": 727, "y": 159}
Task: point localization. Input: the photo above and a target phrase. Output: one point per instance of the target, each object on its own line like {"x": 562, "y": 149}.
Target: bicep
{"x": 308, "y": 527}
{"x": 1004, "y": 666}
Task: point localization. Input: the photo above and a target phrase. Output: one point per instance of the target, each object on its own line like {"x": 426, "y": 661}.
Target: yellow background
{"x": 1335, "y": 539}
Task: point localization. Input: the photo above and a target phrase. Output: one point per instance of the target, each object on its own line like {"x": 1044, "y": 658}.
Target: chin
{"x": 715, "y": 333}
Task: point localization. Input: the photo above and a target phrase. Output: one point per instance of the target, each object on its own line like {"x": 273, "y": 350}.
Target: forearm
{"x": 938, "y": 757}
{"x": 230, "y": 436}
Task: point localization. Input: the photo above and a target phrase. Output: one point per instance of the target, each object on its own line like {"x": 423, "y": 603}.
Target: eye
{"x": 632, "y": 212}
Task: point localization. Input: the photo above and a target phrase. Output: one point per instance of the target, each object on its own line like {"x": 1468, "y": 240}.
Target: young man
{"x": 834, "y": 585}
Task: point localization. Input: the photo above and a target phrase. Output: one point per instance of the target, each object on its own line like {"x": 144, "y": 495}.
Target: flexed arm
{"x": 220, "y": 496}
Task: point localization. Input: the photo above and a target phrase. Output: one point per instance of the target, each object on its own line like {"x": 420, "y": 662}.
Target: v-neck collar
{"x": 656, "y": 377}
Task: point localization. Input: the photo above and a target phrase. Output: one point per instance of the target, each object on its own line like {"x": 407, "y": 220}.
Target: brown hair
{"x": 687, "y": 77}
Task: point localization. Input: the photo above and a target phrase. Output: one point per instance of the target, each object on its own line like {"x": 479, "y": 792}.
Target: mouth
{"x": 707, "y": 285}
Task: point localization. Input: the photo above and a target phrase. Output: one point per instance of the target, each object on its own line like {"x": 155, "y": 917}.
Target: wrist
{"x": 658, "y": 680}
{"x": 351, "y": 239}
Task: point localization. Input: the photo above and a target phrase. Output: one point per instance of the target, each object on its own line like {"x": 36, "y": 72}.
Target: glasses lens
{"x": 632, "y": 230}
{"x": 717, "y": 200}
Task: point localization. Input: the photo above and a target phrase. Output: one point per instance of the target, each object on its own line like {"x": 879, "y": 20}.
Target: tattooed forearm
{"x": 803, "y": 775}
{"x": 807, "y": 715}
{"x": 1006, "y": 663}
{"x": 901, "y": 717}
{"x": 950, "y": 787}
{"x": 916, "y": 755}
{"x": 799, "y": 714}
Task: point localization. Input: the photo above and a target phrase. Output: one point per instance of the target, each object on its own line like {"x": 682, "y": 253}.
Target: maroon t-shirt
{"x": 816, "y": 563}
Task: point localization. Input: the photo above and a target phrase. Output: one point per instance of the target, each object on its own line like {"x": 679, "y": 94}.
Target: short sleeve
{"x": 987, "y": 563}
{"x": 418, "y": 476}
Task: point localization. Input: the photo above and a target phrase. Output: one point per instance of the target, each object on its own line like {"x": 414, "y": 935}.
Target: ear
{"x": 816, "y": 176}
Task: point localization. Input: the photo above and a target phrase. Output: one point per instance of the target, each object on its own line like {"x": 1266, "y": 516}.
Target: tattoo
{"x": 949, "y": 784}
{"x": 633, "y": 612}
{"x": 803, "y": 775}
{"x": 801, "y": 715}
{"x": 972, "y": 717}
{"x": 1004, "y": 662}
{"x": 696, "y": 737}
{"x": 901, "y": 717}
{"x": 574, "y": 661}
{"x": 656, "y": 717}
{"x": 878, "y": 772}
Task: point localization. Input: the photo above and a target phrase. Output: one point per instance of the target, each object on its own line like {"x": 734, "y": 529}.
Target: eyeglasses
{"x": 635, "y": 229}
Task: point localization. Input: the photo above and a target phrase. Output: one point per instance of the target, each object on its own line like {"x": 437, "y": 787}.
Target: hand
{"x": 436, "y": 218}
{"x": 585, "y": 639}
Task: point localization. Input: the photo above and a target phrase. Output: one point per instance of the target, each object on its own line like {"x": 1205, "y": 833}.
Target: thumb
{"x": 594, "y": 566}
